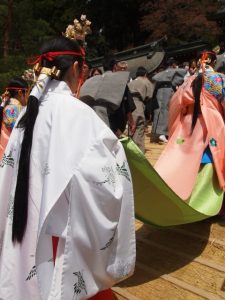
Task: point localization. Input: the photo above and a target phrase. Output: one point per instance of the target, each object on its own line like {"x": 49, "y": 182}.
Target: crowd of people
{"x": 147, "y": 96}
{"x": 67, "y": 226}
{"x": 141, "y": 100}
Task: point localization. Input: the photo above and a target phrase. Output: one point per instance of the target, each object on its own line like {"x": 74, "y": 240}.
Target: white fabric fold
{"x": 80, "y": 191}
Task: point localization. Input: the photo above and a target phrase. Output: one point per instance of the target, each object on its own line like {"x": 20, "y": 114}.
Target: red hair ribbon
{"x": 204, "y": 57}
{"x": 15, "y": 88}
{"x": 51, "y": 55}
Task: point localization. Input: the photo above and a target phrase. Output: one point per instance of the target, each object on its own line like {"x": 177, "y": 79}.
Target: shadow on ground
{"x": 162, "y": 251}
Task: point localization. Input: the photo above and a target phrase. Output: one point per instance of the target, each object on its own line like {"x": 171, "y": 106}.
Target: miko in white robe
{"x": 80, "y": 190}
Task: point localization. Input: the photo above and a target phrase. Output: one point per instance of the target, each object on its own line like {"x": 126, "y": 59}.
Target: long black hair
{"x": 209, "y": 58}
{"x": 197, "y": 89}
{"x": 14, "y": 83}
{"x": 27, "y": 122}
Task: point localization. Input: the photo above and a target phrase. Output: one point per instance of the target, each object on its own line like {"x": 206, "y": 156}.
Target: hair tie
{"x": 16, "y": 88}
{"x": 51, "y": 55}
{"x": 40, "y": 86}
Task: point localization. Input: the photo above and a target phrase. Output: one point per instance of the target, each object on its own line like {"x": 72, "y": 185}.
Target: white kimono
{"x": 80, "y": 190}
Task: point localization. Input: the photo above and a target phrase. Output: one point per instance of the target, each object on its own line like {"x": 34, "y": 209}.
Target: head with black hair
{"x": 141, "y": 71}
{"x": 171, "y": 62}
{"x": 17, "y": 88}
{"x": 109, "y": 62}
{"x": 86, "y": 70}
{"x": 122, "y": 65}
{"x": 67, "y": 56}
{"x": 68, "y": 64}
{"x": 95, "y": 71}
{"x": 206, "y": 58}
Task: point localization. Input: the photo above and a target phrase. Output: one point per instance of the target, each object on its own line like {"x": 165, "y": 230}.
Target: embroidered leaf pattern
{"x": 7, "y": 160}
{"x": 46, "y": 169}
{"x": 123, "y": 269}
{"x": 79, "y": 285}
{"x": 1, "y": 243}
{"x": 110, "y": 177}
{"x": 51, "y": 260}
{"x": 108, "y": 244}
{"x": 32, "y": 273}
{"x": 122, "y": 170}
{"x": 11, "y": 208}
{"x": 213, "y": 142}
{"x": 180, "y": 141}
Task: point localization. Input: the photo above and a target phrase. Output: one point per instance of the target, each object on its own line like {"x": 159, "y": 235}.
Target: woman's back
{"x": 214, "y": 83}
{"x": 196, "y": 123}
{"x": 79, "y": 191}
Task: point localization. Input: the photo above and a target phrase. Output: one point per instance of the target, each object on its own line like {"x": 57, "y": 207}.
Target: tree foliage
{"x": 116, "y": 25}
{"x": 180, "y": 20}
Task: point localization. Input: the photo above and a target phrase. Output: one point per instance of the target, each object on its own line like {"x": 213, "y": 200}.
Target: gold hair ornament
{"x": 52, "y": 72}
{"x": 29, "y": 75}
{"x": 79, "y": 29}
{"x": 216, "y": 49}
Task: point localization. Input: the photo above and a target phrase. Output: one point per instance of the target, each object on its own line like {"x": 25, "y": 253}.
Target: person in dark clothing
{"x": 123, "y": 115}
{"x": 109, "y": 96}
{"x": 166, "y": 83}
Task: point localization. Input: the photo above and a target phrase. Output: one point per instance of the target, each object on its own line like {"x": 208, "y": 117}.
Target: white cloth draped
{"x": 80, "y": 190}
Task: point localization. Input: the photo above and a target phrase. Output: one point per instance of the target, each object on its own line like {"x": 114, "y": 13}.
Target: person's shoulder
{"x": 148, "y": 82}
{"x": 218, "y": 74}
{"x": 214, "y": 76}
{"x": 11, "y": 109}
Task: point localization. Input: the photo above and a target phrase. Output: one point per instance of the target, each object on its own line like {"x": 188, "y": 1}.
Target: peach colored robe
{"x": 180, "y": 161}
{"x": 4, "y": 137}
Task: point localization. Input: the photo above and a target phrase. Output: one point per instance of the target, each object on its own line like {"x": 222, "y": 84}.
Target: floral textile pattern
{"x": 213, "y": 142}
{"x": 11, "y": 113}
{"x": 214, "y": 83}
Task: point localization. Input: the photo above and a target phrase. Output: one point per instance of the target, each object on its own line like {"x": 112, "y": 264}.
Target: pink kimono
{"x": 179, "y": 163}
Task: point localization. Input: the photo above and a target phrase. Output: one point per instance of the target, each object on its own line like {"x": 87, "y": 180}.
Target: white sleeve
{"x": 101, "y": 247}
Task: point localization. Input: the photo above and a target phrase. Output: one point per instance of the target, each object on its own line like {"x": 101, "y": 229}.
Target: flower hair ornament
{"x": 29, "y": 76}
{"x": 79, "y": 29}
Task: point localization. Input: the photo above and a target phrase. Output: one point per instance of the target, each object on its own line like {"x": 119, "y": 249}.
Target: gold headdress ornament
{"x": 216, "y": 49}
{"x": 79, "y": 29}
{"x": 29, "y": 76}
